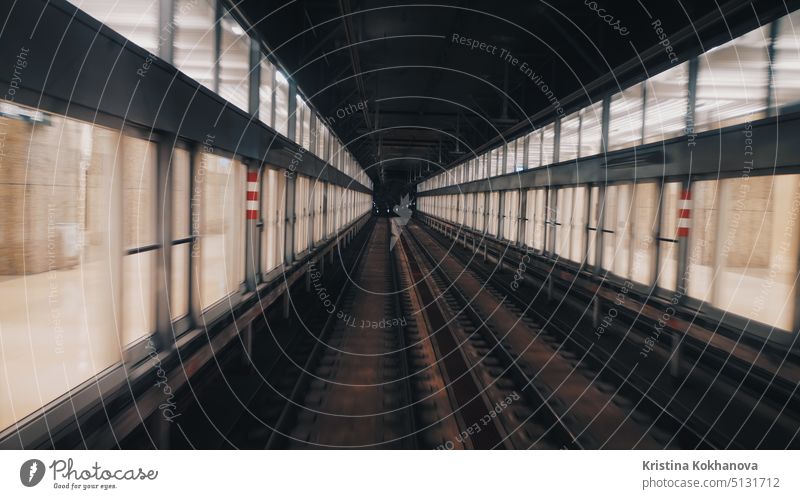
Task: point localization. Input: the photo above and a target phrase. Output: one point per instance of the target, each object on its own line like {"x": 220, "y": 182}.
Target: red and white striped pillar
{"x": 252, "y": 195}
{"x": 684, "y": 213}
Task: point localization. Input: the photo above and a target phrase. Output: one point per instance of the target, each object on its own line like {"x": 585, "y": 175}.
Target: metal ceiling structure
{"x": 413, "y": 88}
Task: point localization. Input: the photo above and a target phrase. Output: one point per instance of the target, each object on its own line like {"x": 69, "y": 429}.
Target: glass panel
{"x": 281, "y": 104}
{"x": 551, "y": 243}
{"x": 668, "y": 246}
{"x": 180, "y": 193}
{"x": 306, "y": 126}
{"x": 301, "y": 205}
{"x": 666, "y": 104}
{"x": 625, "y": 120}
{"x": 535, "y": 149}
{"x": 578, "y": 225}
{"x": 139, "y": 192}
{"x": 222, "y": 221}
{"x": 194, "y": 39}
{"x": 644, "y": 216}
{"x": 138, "y": 228}
{"x": 136, "y": 20}
{"x": 62, "y": 329}
{"x": 563, "y": 221}
{"x": 494, "y": 212}
{"x": 548, "y": 144}
{"x": 786, "y": 62}
{"x": 757, "y": 261}
{"x": 234, "y": 63}
{"x": 570, "y": 133}
{"x": 702, "y": 240}
{"x": 732, "y": 82}
{"x": 592, "y": 129}
{"x": 519, "y": 156}
{"x": 138, "y": 296}
{"x": 622, "y": 231}
{"x": 540, "y": 216}
{"x": 481, "y": 210}
{"x": 273, "y": 203}
{"x": 265, "y": 92}
{"x": 609, "y": 214}
{"x": 179, "y": 290}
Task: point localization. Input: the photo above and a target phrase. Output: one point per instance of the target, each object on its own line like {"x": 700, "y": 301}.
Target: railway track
{"x": 358, "y": 389}
{"x": 588, "y": 411}
{"x": 682, "y": 420}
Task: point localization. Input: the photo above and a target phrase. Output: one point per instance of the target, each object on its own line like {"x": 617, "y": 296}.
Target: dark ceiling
{"x": 430, "y": 101}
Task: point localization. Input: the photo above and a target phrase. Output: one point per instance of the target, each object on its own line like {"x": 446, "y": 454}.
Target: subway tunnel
{"x": 366, "y": 224}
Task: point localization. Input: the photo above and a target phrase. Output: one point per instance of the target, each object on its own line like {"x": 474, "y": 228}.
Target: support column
{"x": 166, "y": 31}
{"x": 164, "y": 337}
{"x": 292, "y": 111}
{"x": 217, "y": 45}
{"x": 684, "y": 213}
{"x": 253, "y": 228}
{"x": 288, "y": 238}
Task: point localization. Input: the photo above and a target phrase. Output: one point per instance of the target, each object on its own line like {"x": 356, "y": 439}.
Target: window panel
{"x": 510, "y": 215}
{"x": 625, "y": 119}
{"x": 194, "y": 39}
{"x": 702, "y": 239}
{"x": 281, "y": 104}
{"x": 786, "y": 62}
{"x": 622, "y": 230}
{"x": 265, "y": 92}
{"x": 181, "y": 202}
{"x": 301, "y": 209}
{"x": 668, "y": 236}
{"x": 578, "y": 225}
{"x": 273, "y": 204}
{"x": 535, "y": 149}
{"x": 757, "y": 248}
{"x": 644, "y": 216}
{"x": 548, "y": 144}
{"x": 62, "y": 330}
{"x": 234, "y": 63}
{"x": 540, "y": 217}
{"x": 591, "y": 130}
{"x": 666, "y": 104}
{"x": 570, "y": 135}
{"x": 139, "y": 230}
{"x": 480, "y": 211}
{"x": 563, "y": 221}
{"x": 609, "y": 215}
{"x": 220, "y": 265}
{"x": 136, "y": 20}
{"x": 494, "y": 213}
{"x": 732, "y": 82}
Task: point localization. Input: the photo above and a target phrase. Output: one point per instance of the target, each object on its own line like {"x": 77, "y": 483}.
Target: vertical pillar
{"x": 254, "y": 77}
{"x": 288, "y": 247}
{"x": 164, "y": 339}
{"x": 556, "y": 140}
{"x": 773, "y": 35}
{"x": 292, "y": 110}
{"x": 217, "y": 44}
{"x": 604, "y": 123}
{"x": 600, "y": 229}
{"x": 253, "y": 228}
{"x": 684, "y": 214}
{"x": 521, "y": 214}
{"x": 166, "y": 31}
